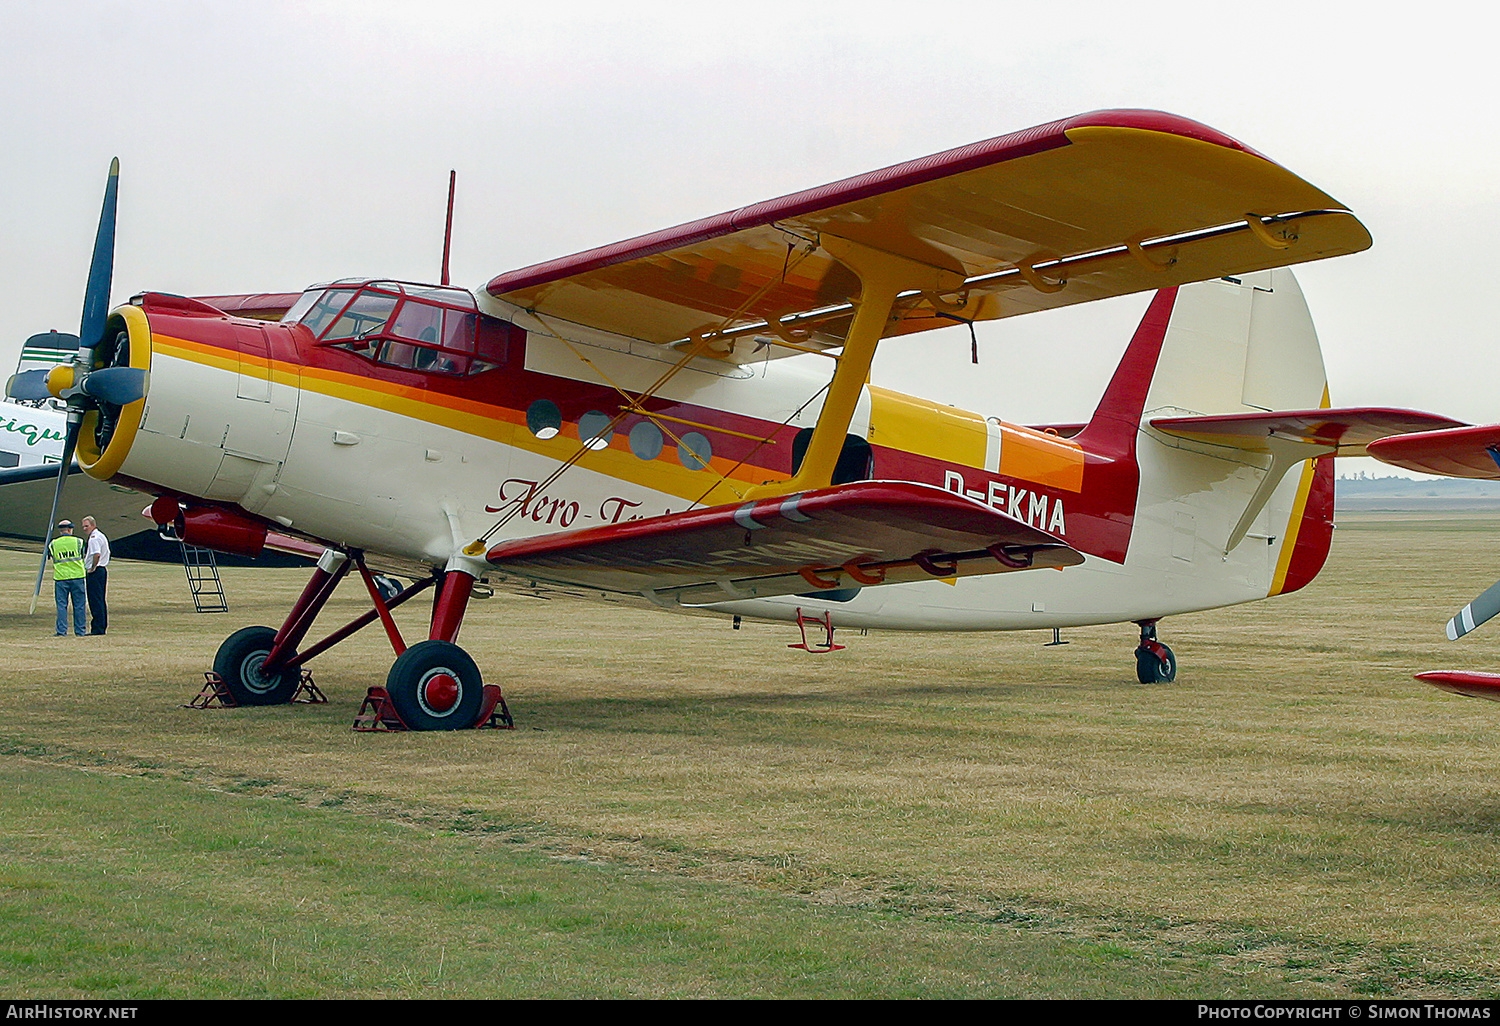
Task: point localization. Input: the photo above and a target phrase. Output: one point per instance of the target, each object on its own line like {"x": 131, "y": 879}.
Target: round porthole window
{"x": 694, "y": 451}
{"x": 543, "y": 418}
{"x": 645, "y": 440}
{"x": 594, "y": 430}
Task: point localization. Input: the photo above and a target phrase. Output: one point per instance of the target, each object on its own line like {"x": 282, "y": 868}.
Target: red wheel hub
{"x": 440, "y": 692}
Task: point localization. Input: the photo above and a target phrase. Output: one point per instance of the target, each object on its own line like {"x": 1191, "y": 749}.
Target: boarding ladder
{"x": 203, "y": 579}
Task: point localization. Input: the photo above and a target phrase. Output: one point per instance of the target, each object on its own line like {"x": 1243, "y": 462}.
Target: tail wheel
{"x": 240, "y": 664}
{"x": 434, "y": 685}
{"x": 1155, "y": 667}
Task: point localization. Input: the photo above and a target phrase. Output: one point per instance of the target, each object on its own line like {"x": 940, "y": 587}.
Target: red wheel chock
{"x": 378, "y": 713}
{"x": 215, "y": 694}
{"x": 826, "y": 622}
{"x": 491, "y": 717}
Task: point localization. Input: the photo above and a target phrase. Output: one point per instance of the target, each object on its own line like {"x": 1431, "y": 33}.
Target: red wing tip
{"x": 1156, "y": 121}
{"x": 1474, "y": 685}
{"x": 1458, "y": 677}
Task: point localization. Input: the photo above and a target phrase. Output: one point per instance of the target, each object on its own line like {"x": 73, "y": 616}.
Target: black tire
{"x": 238, "y": 664}
{"x": 434, "y": 685}
{"x": 1153, "y": 669}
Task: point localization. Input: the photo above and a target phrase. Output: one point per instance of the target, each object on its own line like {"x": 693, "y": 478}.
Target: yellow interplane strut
{"x": 882, "y": 277}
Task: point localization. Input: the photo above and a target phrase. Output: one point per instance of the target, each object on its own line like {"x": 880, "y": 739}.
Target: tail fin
{"x": 1231, "y": 345}
{"x": 1112, "y": 430}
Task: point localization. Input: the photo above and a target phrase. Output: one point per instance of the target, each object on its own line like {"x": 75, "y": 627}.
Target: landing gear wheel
{"x": 1152, "y": 667}
{"x": 434, "y": 685}
{"x": 239, "y": 664}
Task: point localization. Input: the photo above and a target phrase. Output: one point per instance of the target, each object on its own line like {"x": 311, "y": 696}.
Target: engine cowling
{"x": 213, "y": 424}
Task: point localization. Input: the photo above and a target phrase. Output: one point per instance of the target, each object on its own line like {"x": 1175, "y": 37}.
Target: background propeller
{"x": 78, "y": 390}
{"x": 28, "y": 386}
{"x": 47, "y": 348}
{"x": 1475, "y": 613}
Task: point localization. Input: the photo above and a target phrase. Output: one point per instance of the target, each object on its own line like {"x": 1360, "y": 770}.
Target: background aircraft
{"x": 1473, "y": 452}
{"x": 617, "y": 424}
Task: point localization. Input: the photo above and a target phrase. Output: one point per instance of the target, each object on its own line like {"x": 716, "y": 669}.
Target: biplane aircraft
{"x": 1471, "y": 452}
{"x": 617, "y": 424}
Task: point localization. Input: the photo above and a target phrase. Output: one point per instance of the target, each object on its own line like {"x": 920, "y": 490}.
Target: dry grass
{"x": 1295, "y": 812}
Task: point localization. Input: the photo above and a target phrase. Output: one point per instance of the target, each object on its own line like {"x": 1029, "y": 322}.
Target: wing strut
{"x": 882, "y": 277}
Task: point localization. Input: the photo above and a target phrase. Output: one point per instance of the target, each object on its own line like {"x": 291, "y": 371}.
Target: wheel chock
{"x": 215, "y": 694}
{"x": 489, "y": 717}
{"x": 307, "y": 692}
{"x": 377, "y": 713}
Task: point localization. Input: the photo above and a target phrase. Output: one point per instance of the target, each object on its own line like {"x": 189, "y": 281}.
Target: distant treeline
{"x": 1362, "y": 484}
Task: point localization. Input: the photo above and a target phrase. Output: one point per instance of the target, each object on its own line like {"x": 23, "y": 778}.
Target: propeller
{"x": 1475, "y": 613}
{"x": 46, "y": 346}
{"x": 79, "y": 385}
{"x": 28, "y": 385}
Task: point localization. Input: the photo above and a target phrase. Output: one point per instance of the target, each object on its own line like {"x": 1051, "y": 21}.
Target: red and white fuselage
{"x": 411, "y": 453}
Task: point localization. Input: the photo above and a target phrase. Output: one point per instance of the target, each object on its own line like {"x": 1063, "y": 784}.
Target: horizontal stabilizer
{"x": 849, "y": 536}
{"x": 1343, "y": 432}
{"x": 1290, "y": 436}
{"x": 1457, "y": 452}
{"x": 1475, "y": 685}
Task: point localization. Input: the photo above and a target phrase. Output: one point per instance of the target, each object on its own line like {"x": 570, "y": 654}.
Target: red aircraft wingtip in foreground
{"x": 1471, "y": 451}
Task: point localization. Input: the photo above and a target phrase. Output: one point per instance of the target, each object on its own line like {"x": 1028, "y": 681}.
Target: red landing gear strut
{"x": 433, "y": 684}
{"x": 1154, "y": 662}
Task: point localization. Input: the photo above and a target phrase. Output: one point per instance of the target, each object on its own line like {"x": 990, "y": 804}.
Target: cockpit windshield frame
{"x": 427, "y": 328}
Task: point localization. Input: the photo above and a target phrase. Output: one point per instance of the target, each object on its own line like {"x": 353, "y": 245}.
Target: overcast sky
{"x": 267, "y": 145}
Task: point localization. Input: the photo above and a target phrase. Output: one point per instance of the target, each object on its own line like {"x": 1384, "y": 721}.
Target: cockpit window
{"x": 426, "y": 328}
{"x": 363, "y": 318}
{"x": 317, "y": 309}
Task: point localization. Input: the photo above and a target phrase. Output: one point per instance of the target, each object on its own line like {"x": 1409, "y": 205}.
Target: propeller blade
{"x": 1475, "y": 613}
{"x": 101, "y": 268}
{"x": 116, "y": 385}
{"x": 64, "y": 468}
{"x": 30, "y": 384}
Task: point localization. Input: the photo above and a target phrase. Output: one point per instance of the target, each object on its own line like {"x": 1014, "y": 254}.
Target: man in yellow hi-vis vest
{"x": 66, "y": 553}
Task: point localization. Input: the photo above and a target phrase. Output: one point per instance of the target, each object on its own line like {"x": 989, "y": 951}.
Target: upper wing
{"x": 1345, "y": 432}
{"x": 864, "y": 533}
{"x": 1093, "y": 206}
{"x": 1459, "y": 452}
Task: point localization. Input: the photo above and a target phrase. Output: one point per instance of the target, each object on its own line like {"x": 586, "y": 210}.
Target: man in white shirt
{"x": 96, "y": 579}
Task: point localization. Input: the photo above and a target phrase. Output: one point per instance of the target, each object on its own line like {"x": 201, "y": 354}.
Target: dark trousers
{"x": 95, "y": 584}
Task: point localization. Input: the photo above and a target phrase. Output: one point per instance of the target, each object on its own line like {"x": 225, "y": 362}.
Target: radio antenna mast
{"x": 448, "y": 230}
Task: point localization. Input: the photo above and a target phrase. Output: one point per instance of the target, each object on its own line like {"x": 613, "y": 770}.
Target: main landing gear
{"x": 433, "y": 684}
{"x": 1154, "y": 662}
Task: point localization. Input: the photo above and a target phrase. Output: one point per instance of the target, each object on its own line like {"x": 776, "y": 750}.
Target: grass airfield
{"x": 686, "y": 810}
